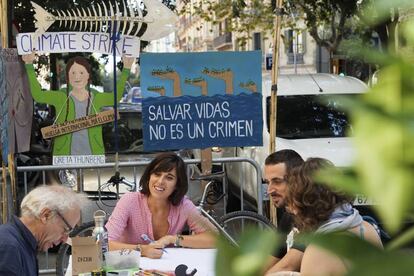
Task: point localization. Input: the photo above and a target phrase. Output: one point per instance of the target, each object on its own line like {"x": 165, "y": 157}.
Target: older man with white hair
{"x": 48, "y": 215}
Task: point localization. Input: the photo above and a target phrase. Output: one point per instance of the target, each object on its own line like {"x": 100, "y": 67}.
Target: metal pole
{"x": 115, "y": 38}
{"x": 295, "y": 53}
{"x": 4, "y": 194}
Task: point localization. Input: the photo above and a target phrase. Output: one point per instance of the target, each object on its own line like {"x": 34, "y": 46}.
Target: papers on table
{"x": 201, "y": 259}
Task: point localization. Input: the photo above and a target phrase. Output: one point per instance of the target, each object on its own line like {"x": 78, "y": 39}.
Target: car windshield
{"x": 310, "y": 116}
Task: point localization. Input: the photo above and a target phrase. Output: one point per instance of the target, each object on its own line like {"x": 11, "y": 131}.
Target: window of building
{"x": 257, "y": 41}
{"x": 295, "y": 43}
{"x": 221, "y": 28}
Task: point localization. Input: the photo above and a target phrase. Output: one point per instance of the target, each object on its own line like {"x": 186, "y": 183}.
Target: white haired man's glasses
{"x": 68, "y": 229}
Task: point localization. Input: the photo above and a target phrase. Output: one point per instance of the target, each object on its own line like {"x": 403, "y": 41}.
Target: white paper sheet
{"x": 201, "y": 259}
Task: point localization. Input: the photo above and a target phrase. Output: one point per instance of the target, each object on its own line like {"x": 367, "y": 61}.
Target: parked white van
{"x": 304, "y": 124}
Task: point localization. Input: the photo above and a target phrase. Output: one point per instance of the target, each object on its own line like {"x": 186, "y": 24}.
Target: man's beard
{"x": 277, "y": 200}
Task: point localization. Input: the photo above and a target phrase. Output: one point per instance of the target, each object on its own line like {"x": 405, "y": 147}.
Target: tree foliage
{"x": 246, "y": 16}
{"x": 243, "y": 16}
{"x": 325, "y": 16}
{"x": 383, "y": 169}
{"x": 329, "y": 22}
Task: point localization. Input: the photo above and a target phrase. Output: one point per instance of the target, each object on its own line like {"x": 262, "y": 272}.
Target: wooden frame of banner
{"x": 273, "y": 97}
{"x": 4, "y": 43}
{"x": 4, "y": 22}
{"x": 79, "y": 124}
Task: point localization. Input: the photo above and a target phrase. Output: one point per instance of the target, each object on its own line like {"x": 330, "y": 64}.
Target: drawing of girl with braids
{"x": 77, "y": 101}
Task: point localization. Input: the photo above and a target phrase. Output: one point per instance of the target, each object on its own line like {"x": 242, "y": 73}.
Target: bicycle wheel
{"x": 235, "y": 223}
{"x": 65, "y": 250}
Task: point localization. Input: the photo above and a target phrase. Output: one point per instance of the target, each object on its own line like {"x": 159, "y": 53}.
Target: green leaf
{"x": 250, "y": 257}
{"x": 343, "y": 179}
{"x": 365, "y": 259}
{"x": 408, "y": 29}
{"x": 383, "y": 9}
{"x": 403, "y": 239}
{"x": 379, "y": 162}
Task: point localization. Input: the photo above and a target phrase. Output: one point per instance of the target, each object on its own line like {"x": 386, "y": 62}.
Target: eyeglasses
{"x": 68, "y": 227}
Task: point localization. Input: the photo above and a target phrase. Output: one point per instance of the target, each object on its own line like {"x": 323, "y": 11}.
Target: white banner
{"x": 63, "y": 42}
{"x": 78, "y": 159}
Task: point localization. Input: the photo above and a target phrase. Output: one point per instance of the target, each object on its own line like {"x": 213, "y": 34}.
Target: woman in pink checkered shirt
{"x": 159, "y": 211}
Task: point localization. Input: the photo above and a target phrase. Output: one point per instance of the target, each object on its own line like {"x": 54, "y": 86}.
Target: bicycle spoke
{"x": 238, "y": 222}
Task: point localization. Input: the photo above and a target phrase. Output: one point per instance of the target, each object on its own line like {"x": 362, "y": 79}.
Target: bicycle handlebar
{"x": 128, "y": 183}
{"x": 213, "y": 176}
{"x": 117, "y": 179}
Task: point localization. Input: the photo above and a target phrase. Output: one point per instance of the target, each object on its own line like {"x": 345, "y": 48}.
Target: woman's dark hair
{"x": 85, "y": 63}
{"x": 312, "y": 201}
{"x": 166, "y": 162}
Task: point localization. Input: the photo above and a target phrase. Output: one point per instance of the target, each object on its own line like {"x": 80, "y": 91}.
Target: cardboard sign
{"x": 64, "y": 42}
{"x": 201, "y": 73}
{"x": 202, "y": 122}
{"x": 86, "y": 256}
{"x": 78, "y": 124}
{"x": 210, "y": 99}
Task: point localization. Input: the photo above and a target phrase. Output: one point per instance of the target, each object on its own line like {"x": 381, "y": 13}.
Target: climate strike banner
{"x": 63, "y": 42}
{"x": 200, "y": 100}
{"x": 201, "y": 122}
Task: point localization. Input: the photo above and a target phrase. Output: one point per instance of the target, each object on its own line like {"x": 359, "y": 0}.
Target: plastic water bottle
{"x": 100, "y": 233}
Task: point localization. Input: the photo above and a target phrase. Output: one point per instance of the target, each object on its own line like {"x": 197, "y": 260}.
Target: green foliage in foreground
{"x": 249, "y": 258}
{"x": 383, "y": 121}
{"x": 366, "y": 259}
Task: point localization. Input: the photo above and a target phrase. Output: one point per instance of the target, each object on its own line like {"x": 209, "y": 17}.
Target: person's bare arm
{"x": 29, "y": 58}
{"x": 271, "y": 261}
{"x": 290, "y": 262}
{"x": 128, "y": 61}
{"x": 147, "y": 250}
{"x": 328, "y": 263}
{"x": 202, "y": 240}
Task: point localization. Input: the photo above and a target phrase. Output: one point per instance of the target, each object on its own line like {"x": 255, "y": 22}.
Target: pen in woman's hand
{"x": 147, "y": 239}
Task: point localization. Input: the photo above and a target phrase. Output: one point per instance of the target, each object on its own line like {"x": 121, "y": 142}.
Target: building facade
{"x": 162, "y": 45}
{"x": 193, "y": 33}
{"x": 298, "y": 51}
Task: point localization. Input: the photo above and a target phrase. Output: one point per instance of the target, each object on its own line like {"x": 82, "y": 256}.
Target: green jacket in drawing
{"x": 62, "y": 144}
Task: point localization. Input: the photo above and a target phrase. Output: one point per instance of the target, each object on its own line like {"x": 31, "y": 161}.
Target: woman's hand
{"x": 152, "y": 251}
{"x": 28, "y": 59}
{"x": 128, "y": 61}
{"x": 165, "y": 241}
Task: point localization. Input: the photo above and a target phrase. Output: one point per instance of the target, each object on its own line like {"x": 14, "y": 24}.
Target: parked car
{"x": 309, "y": 121}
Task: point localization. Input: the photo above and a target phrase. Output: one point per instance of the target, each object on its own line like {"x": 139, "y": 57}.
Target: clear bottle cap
{"x": 99, "y": 216}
